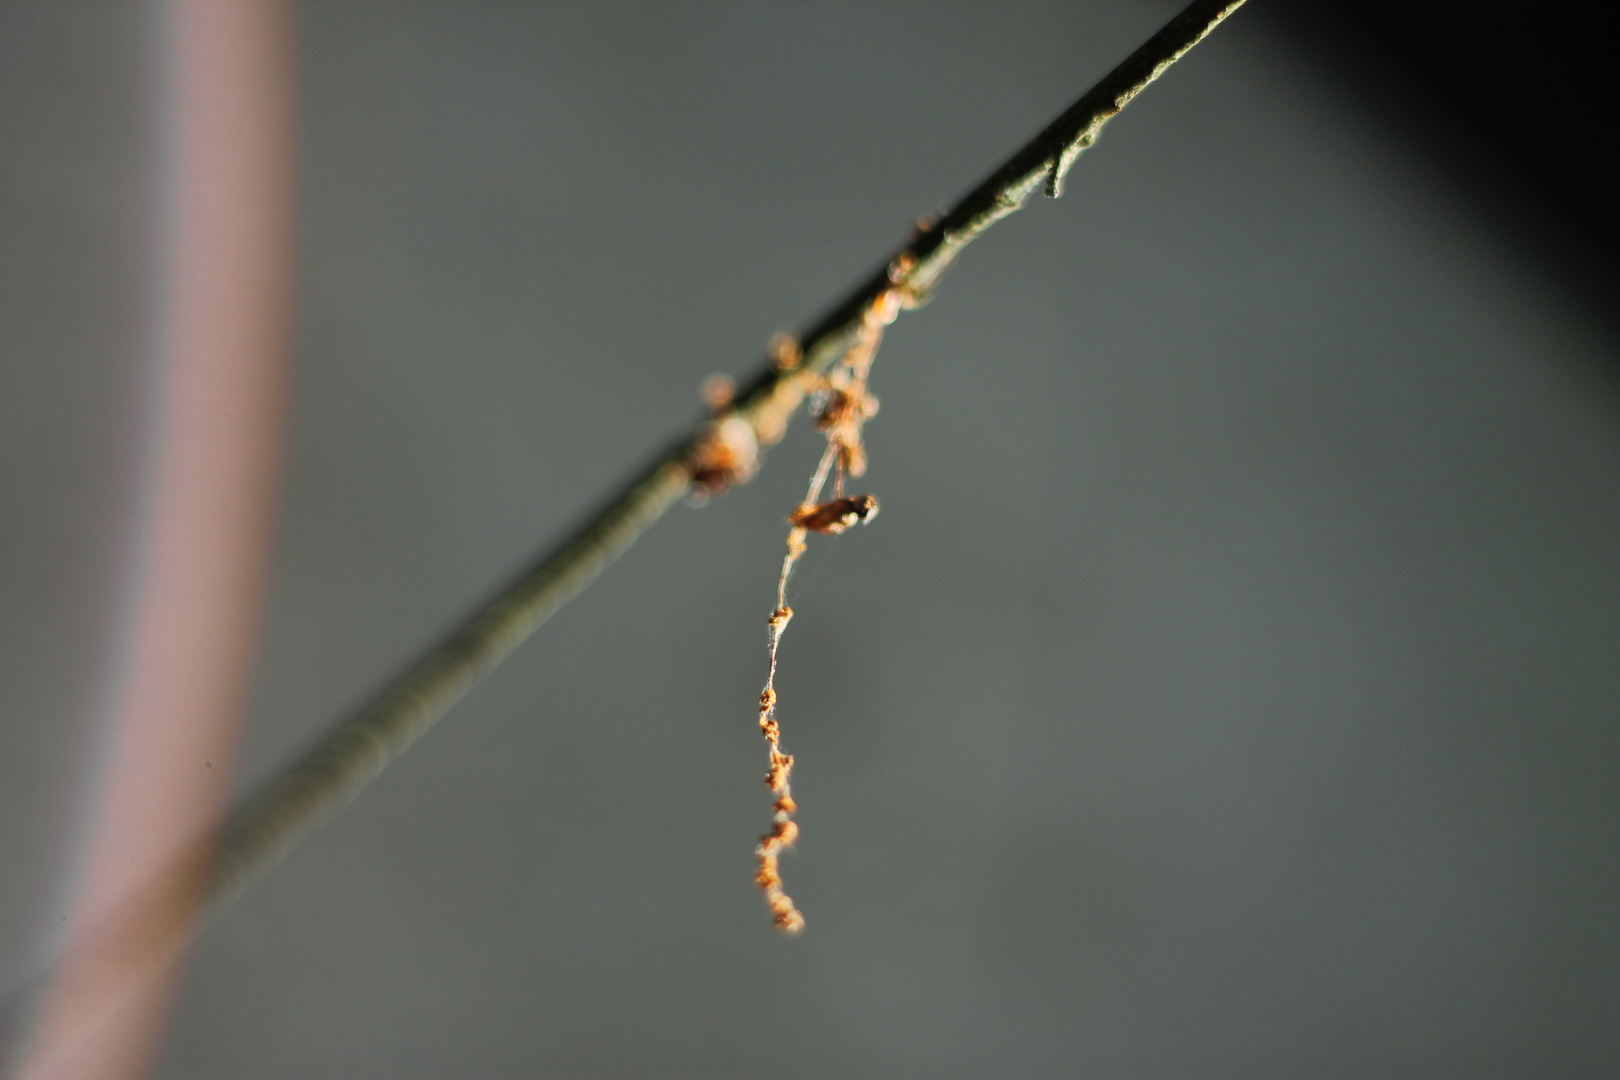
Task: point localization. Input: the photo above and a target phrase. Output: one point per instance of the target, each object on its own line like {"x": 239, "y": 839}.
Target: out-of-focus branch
{"x": 222, "y": 307}
{"x": 291, "y": 805}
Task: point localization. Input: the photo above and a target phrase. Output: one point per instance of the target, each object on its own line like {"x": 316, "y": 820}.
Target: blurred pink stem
{"x": 204, "y": 535}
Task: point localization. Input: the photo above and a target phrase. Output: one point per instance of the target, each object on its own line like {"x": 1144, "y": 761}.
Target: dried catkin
{"x": 842, "y": 406}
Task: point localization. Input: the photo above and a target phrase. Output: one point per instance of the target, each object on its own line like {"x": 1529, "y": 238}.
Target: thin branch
{"x": 290, "y": 806}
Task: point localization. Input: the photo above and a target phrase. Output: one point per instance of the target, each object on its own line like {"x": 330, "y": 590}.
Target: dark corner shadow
{"x": 1516, "y": 106}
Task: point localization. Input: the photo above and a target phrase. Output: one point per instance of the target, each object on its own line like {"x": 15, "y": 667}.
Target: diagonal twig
{"x": 290, "y": 806}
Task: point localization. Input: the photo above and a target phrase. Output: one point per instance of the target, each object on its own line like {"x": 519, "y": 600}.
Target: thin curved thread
{"x": 842, "y": 406}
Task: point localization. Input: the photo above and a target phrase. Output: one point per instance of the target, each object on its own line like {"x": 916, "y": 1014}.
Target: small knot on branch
{"x": 719, "y": 390}
{"x": 724, "y": 455}
{"x": 1065, "y": 157}
{"x": 901, "y": 266}
{"x": 786, "y": 355}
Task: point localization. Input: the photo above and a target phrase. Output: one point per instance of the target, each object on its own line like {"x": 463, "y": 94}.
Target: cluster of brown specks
{"x": 842, "y": 406}
{"x": 728, "y": 453}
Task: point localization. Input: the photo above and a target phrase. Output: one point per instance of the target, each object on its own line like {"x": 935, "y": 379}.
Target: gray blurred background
{"x": 1228, "y": 687}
